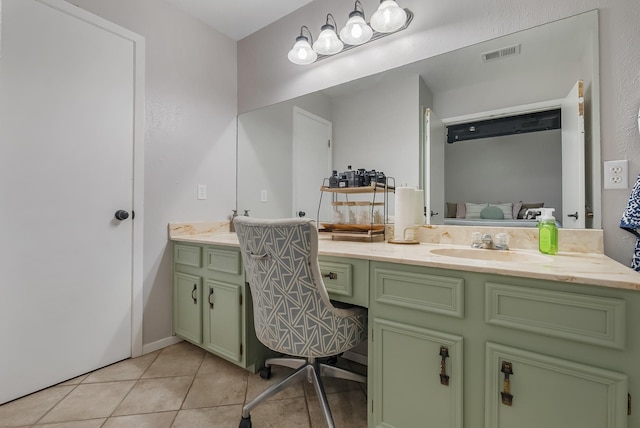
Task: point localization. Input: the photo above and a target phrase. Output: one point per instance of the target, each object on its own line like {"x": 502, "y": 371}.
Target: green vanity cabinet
{"x": 211, "y": 307}
{"x": 515, "y": 352}
{"x": 544, "y": 391}
{"x": 416, "y": 375}
{"x": 223, "y": 303}
{"x": 187, "y": 316}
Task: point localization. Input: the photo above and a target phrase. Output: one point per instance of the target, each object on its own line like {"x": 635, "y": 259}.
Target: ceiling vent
{"x": 501, "y": 53}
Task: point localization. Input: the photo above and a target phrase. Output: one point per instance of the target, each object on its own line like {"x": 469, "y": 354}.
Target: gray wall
{"x": 191, "y": 100}
{"x": 265, "y": 76}
{"x": 524, "y": 167}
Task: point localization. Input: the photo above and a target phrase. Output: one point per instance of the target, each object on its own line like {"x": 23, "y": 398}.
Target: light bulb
{"x": 389, "y": 17}
{"x": 328, "y": 42}
{"x": 301, "y": 53}
{"x": 356, "y": 31}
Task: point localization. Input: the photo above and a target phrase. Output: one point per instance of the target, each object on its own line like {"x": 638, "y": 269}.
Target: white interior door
{"x": 311, "y": 162}
{"x": 573, "y": 162}
{"x": 434, "y": 136}
{"x": 68, "y": 124}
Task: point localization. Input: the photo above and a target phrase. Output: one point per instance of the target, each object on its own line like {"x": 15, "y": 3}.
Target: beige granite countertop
{"x": 573, "y": 267}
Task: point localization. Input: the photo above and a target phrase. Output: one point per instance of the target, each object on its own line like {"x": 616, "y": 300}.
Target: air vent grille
{"x": 501, "y": 53}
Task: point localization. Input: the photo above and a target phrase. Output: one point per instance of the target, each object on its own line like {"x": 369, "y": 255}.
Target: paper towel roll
{"x": 419, "y": 206}
{"x": 405, "y": 216}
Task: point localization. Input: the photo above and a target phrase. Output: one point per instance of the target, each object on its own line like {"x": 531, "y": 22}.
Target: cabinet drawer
{"x": 350, "y": 280}
{"x": 337, "y": 277}
{"x": 219, "y": 260}
{"x": 579, "y": 317}
{"x": 187, "y": 255}
{"x": 420, "y": 291}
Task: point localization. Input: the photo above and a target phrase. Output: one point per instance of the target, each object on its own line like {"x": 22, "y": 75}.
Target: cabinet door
{"x": 223, "y": 319}
{"x": 408, "y": 389}
{"x": 187, "y": 313}
{"x": 550, "y": 392}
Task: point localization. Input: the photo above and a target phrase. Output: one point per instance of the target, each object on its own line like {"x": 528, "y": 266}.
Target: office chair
{"x": 292, "y": 311}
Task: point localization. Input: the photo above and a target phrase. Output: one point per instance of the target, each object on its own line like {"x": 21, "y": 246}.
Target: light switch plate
{"x": 202, "y": 191}
{"x": 616, "y": 174}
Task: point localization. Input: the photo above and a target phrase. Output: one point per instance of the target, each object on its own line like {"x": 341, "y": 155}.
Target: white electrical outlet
{"x": 202, "y": 191}
{"x": 616, "y": 175}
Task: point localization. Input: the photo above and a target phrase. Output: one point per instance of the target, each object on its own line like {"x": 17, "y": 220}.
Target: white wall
{"x": 365, "y": 133}
{"x": 265, "y": 145}
{"x": 265, "y": 75}
{"x": 191, "y": 96}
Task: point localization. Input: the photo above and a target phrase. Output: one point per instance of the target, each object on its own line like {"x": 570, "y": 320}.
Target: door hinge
{"x": 629, "y": 404}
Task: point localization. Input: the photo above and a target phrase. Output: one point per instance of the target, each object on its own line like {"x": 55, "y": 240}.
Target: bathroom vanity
{"x": 457, "y": 337}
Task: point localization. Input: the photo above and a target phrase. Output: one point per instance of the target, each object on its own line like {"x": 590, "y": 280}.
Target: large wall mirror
{"x": 397, "y": 121}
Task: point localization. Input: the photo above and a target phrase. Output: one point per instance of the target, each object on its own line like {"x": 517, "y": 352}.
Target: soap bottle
{"x": 547, "y": 232}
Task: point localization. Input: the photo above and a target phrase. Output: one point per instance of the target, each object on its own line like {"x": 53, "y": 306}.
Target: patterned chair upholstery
{"x": 292, "y": 311}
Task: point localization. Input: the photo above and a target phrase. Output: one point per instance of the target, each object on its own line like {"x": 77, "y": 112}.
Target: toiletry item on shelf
{"x": 232, "y": 227}
{"x": 334, "y": 180}
{"x": 246, "y": 213}
{"x": 547, "y": 232}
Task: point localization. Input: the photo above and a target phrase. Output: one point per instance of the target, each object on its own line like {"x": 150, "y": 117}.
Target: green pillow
{"x": 492, "y": 213}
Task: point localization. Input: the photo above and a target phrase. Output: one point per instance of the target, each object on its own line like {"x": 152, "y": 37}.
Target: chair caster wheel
{"x": 265, "y": 373}
{"x": 245, "y": 422}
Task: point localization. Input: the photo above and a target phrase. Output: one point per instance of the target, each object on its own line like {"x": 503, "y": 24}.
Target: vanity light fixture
{"x": 356, "y": 31}
{"x": 328, "y": 42}
{"x": 387, "y": 20}
{"x": 301, "y": 53}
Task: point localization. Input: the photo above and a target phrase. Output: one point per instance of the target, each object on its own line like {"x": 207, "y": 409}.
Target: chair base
{"x": 312, "y": 370}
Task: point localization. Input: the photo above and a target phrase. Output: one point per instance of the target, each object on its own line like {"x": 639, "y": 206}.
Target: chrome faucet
{"x": 485, "y": 241}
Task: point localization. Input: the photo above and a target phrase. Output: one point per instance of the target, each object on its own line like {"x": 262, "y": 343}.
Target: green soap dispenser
{"x": 547, "y": 232}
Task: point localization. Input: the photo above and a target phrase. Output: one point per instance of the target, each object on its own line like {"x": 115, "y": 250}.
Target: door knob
{"x": 121, "y": 215}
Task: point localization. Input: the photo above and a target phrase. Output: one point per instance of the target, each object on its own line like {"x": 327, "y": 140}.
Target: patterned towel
{"x": 631, "y": 222}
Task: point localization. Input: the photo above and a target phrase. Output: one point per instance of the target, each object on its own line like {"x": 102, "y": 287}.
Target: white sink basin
{"x": 491, "y": 255}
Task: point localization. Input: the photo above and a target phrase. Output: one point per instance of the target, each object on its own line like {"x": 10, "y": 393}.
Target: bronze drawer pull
{"x": 507, "y": 398}
{"x": 211, "y": 298}
{"x": 330, "y": 275}
{"x": 194, "y": 294}
{"x": 444, "y": 354}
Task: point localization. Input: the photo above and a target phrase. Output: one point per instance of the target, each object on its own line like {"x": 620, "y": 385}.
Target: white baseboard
{"x": 159, "y": 344}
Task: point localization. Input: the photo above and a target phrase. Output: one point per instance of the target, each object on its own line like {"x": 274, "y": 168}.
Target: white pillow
{"x": 473, "y": 210}
{"x": 507, "y": 209}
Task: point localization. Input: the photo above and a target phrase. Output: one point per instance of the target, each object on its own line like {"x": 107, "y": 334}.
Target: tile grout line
{"x": 59, "y": 401}
{"x": 130, "y": 389}
{"x": 193, "y": 379}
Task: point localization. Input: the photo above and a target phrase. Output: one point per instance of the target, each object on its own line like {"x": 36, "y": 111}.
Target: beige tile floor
{"x": 181, "y": 386}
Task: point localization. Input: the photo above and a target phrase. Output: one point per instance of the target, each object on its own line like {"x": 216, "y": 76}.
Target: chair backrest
{"x": 292, "y": 310}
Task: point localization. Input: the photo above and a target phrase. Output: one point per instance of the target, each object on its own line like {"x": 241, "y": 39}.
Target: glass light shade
{"x": 328, "y": 42}
{"x": 301, "y": 53}
{"x": 356, "y": 31}
{"x": 389, "y": 17}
